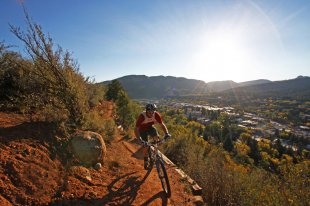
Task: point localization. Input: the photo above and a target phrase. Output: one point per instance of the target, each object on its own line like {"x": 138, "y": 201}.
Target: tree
{"x": 15, "y": 83}
{"x": 279, "y": 147}
{"x": 228, "y": 144}
{"x": 124, "y": 111}
{"x": 277, "y": 133}
{"x": 241, "y": 153}
{"x": 180, "y": 119}
{"x": 58, "y": 83}
{"x": 195, "y": 127}
{"x": 254, "y": 153}
{"x": 95, "y": 93}
{"x": 245, "y": 137}
{"x": 113, "y": 90}
{"x": 215, "y": 130}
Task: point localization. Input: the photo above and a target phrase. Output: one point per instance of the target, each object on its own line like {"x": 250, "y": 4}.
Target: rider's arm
{"x": 161, "y": 123}
{"x": 138, "y": 123}
{"x": 137, "y": 133}
{"x": 164, "y": 128}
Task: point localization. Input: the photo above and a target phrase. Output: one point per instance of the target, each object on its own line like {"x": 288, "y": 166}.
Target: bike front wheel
{"x": 162, "y": 173}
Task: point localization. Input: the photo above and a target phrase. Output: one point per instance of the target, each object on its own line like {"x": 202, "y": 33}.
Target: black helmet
{"x": 150, "y": 107}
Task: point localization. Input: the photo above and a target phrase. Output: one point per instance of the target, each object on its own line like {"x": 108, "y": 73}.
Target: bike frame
{"x": 156, "y": 157}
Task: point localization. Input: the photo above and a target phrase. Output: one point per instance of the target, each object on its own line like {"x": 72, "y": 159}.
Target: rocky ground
{"x": 33, "y": 171}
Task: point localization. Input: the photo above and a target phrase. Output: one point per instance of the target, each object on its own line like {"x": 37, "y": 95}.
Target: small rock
{"x": 98, "y": 166}
{"x": 88, "y": 177}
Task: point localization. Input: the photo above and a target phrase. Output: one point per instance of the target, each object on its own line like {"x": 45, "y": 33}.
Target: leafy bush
{"x": 109, "y": 130}
{"x": 226, "y": 182}
{"x": 50, "y": 78}
{"x": 126, "y": 110}
{"x": 93, "y": 121}
{"x": 95, "y": 93}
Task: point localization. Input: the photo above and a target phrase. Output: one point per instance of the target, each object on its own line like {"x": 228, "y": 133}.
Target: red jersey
{"x": 144, "y": 122}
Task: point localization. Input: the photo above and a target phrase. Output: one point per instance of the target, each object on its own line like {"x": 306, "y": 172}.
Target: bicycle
{"x": 156, "y": 157}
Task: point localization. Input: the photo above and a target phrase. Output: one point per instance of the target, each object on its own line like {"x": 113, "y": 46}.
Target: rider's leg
{"x": 144, "y": 136}
{"x": 153, "y": 133}
{"x": 155, "y": 137}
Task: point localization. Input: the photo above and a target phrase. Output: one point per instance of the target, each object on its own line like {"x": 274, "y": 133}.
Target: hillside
{"x": 254, "y": 82}
{"x": 34, "y": 171}
{"x": 298, "y": 88}
{"x": 141, "y": 86}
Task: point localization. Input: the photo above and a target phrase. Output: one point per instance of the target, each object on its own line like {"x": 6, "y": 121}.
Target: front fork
{"x": 150, "y": 155}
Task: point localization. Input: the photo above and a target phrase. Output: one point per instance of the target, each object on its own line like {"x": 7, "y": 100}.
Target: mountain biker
{"x": 145, "y": 128}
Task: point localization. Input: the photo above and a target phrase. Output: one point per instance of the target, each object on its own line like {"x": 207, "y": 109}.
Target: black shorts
{"x": 151, "y": 131}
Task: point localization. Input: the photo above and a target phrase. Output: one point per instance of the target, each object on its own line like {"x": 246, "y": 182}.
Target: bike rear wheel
{"x": 162, "y": 174}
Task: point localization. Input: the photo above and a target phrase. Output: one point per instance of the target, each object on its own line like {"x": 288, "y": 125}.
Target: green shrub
{"x": 93, "y": 122}
{"x": 109, "y": 130}
{"x": 226, "y": 182}
{"x": 49, "y": 80}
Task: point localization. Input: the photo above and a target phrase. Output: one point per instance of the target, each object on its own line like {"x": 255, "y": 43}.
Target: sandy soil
{"x": 34, "y": 171}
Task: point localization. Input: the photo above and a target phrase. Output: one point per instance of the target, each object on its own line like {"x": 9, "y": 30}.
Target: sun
{"x": 222, "y": 56}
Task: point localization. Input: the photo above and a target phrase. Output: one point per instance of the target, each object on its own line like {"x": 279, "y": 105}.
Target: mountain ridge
{"x": 142, "y": 86}
{"x": 293, "y": 88}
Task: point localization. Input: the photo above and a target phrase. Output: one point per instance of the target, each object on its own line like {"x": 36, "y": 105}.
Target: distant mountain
{"x": 254, "y": 82}
{"x": 218, "y": 86}
{"x": 298, "y": 88}
{"x": 141, "y": 86}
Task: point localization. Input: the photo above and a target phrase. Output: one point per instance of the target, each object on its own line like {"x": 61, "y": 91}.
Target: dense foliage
{"x": 47, "y": 82}
{"x": 127, "y": 110}
{"x": 236, "y": 171}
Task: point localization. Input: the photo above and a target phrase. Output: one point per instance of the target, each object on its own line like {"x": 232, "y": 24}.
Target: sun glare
{"x": 222, "y": 56}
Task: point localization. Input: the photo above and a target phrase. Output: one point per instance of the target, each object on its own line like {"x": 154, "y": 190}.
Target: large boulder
{"x": 88, "y": 147}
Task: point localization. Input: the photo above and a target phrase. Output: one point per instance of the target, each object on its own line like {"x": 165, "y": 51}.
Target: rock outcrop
{"x": 88, "y": 147}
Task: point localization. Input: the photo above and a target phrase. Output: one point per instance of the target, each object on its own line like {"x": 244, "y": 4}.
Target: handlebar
{"x": 146, "y": 143}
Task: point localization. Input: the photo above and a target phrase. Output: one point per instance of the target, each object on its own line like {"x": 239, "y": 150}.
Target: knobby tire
{"x": 162, "y": 174}
{"x": 151, "y": 160}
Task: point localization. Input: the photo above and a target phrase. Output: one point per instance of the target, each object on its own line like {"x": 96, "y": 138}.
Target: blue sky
{"x": 237, "y": 40}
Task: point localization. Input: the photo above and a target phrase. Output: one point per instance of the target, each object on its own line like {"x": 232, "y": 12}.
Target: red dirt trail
{"x": 33, "y": 171}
